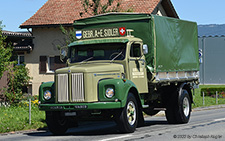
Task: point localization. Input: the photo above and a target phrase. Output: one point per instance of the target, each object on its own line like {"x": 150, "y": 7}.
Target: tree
{"x": 5, "y": 53}
{"x": 96, "y": 7}
{"x": 17, "y": 74}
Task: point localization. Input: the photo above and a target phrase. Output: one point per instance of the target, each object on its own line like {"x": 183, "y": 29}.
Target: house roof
{"x": 21, "y": 41}
{"x": 16, "y": 34}
{"x": 64, "y": 12}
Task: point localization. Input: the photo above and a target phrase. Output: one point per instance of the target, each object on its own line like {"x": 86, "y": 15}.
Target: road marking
{"x": 220, "y": 119}
{"x": 120, "y": 137}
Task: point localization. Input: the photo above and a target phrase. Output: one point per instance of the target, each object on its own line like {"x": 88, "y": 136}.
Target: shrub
{"x": 18, "y": 78}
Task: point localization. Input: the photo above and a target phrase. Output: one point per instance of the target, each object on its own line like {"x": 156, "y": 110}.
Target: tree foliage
{"x": 5, "y": 53}
{"x": 97, "y": 7}
{"x": 69, "y": 35}
{"x": 18, "y": 76}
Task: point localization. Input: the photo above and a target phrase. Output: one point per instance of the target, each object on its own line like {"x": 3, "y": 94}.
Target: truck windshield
{"x": 83, "y": 53}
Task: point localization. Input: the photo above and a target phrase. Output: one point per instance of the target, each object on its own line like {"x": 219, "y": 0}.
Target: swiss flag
{"x": 122, "y": 30}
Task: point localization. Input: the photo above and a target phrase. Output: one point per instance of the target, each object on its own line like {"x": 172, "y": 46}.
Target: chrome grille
{"x": 63, "y": 92}
{"x": 77, "y": 87}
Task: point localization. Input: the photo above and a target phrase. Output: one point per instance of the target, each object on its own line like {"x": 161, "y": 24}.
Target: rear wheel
{"x": 179, "y": 108}
{"x": 57, "y": 124}
{"x": 128, "y": 117}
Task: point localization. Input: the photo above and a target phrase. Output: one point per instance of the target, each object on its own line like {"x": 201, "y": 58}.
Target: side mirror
{"x": 63, "y": 53}
{"x": 145, "y": 49}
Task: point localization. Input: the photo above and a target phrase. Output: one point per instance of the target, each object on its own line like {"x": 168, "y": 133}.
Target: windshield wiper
{"x": 116, "y": 56}
{"x": 87, "y": 59}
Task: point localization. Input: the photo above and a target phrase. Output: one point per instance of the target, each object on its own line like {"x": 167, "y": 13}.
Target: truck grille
{"x": 77, "y": 88}
{"x": 63, "y": 89}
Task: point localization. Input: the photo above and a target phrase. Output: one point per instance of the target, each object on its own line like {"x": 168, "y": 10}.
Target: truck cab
{"x": 101, "y": 73}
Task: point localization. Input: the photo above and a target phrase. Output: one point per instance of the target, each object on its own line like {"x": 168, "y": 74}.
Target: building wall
{"x": 213, "y": 64}
{"x": 45, "y": 44}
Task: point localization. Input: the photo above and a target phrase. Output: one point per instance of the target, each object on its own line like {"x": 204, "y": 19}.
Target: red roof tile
{"x": 55, "y": 12}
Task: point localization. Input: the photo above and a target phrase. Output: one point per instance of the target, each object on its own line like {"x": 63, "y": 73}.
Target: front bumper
{"x": 80, "y": 106}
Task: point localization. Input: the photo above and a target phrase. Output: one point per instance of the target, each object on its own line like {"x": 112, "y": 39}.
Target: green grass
{"x": 198, "y": 99}
{"x": 16, "y": 118}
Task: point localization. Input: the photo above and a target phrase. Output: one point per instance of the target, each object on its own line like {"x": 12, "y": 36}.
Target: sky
{"x": 14, "y": 12}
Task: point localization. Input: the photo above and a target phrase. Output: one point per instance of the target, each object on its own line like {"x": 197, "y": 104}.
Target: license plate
{"x": 70, "y": 113}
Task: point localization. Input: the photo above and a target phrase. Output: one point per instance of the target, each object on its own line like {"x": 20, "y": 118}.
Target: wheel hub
{"x": 131, "y": 113}
{"x": 186, "y": 106}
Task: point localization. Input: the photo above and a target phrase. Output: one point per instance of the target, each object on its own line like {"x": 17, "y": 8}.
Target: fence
{"x": 203, "y": 98}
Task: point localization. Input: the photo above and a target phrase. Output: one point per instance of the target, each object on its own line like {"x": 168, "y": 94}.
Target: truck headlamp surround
{"x": 47, "y": 95}
{"x": 109, "y": 93}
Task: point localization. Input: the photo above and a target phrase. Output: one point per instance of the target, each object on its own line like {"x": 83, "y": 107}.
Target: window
{"x": 103, "y": 51}
{"x": 135, "y": 50}
{"x": 50, "y": 63}
{"x": 20, "y": 59}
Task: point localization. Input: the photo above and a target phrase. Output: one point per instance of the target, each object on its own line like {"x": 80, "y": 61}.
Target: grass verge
{"x": 16, "y": 118}
{"x": 209, "y": 101}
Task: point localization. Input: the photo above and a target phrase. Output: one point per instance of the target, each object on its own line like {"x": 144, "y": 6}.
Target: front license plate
{"x": 70, "y": 114}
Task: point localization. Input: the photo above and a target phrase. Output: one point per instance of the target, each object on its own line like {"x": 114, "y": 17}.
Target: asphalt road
{"x": 205, "y": 125}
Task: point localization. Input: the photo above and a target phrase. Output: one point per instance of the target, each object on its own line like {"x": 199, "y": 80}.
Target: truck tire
{"x": 179, "y": 108}
{"x": 128, "y": 117}
{"x": 57, "y": 124}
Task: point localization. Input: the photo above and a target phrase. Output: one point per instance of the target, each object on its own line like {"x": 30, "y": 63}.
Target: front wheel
{"x": 57, "y": 124}
{"x": 128, "y": 116}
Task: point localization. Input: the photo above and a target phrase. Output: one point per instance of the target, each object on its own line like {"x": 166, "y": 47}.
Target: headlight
{"x": 47, "y": 95}
{"x": 109, "y": 93}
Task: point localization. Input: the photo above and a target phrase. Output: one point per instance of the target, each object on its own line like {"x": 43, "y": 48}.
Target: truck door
{"x": 137, "y": 67}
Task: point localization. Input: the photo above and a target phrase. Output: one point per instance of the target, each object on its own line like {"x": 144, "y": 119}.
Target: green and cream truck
{"x": 121, "y": 65}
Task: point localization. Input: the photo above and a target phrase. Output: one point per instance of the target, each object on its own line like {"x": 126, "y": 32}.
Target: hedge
{"x": 212, "y": 92}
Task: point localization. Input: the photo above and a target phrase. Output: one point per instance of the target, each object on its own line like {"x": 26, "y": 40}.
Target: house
{"x": 212, "y": 47}
{"x": 45, "y": 23}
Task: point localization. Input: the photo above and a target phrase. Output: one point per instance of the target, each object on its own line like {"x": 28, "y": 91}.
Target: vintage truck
{"x": 121, "y": 65}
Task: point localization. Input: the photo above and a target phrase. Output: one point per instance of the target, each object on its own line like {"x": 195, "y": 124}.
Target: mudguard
{"x": 121, "y": 89}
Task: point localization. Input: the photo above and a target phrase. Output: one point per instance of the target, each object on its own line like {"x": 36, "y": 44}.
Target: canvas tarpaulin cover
{"x": 176, "y": 45}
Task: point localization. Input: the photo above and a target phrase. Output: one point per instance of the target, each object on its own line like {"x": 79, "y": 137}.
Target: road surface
{"x": 204, "y": 125}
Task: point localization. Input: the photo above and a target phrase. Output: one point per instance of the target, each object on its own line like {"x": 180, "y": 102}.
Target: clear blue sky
{"x": 15, "y": 12}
